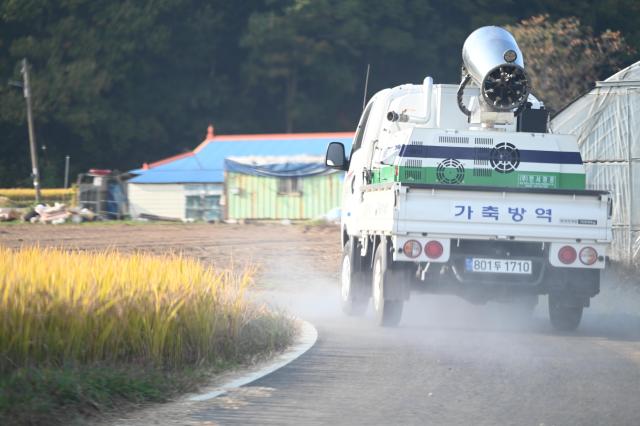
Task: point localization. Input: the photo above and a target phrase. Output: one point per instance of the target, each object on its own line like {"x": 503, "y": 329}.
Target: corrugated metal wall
{"x": 167, "y": 200}
{"x": 257, "y": 197}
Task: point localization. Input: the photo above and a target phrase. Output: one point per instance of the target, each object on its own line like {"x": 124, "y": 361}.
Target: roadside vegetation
{"x": 23, "y": 197}
{"x": 82, "y": 332}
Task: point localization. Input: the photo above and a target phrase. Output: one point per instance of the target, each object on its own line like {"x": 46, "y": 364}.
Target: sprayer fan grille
{"x": 506, "y": 87}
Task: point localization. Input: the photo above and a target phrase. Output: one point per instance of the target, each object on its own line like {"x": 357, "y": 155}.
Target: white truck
{"x": 460, "y": 189}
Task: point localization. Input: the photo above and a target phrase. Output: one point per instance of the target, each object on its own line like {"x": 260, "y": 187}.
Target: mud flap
{"x": 397, "y": 284}
{"x": 362, "y": 274}
{"x": 573, "y": 287}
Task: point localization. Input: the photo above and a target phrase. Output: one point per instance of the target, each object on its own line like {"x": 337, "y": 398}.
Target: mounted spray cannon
{"x": 494, "y": 63}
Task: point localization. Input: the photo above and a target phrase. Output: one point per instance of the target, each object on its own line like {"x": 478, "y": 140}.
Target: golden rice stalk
{"x": 49, "y": 194}
{"x": 67, "y": 307}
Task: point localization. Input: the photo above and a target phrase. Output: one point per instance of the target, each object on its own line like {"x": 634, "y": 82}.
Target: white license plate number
{"x": 498, "y": 266}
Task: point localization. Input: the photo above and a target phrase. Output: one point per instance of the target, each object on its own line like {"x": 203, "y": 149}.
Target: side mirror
{"x": 336, "y": 158}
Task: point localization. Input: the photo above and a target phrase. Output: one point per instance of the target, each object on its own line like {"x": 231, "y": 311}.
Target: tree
{"x": 299, "y": 50}
{"x": 307, "y": 59}
{"x": 116, "y": 83}
{"x": 563, "y": 58}
{"x": 119, "y": 83}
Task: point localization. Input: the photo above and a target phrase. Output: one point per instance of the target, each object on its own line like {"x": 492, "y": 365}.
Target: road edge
{"x": 305, "y": 341}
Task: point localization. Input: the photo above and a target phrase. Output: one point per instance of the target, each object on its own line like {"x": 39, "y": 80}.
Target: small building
{"x": 607, "y": 123}
{"x": 191, "y": 186}
{"x": 294, "y": 187}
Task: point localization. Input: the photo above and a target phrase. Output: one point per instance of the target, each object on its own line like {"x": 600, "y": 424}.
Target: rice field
{"x": 79, "y": 308}
{"x": 26, "y": 196}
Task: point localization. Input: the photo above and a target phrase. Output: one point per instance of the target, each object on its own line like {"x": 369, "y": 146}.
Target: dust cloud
{"x": 615, "y": 312}
{"x": 293, "y": 284}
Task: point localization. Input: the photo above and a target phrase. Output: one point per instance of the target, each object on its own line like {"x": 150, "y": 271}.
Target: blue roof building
{"x": 205, "y": 164}
{"x": 190, "y": 186}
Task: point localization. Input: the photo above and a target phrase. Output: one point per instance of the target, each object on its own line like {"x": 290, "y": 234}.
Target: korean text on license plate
{"x": 497, "y": 266}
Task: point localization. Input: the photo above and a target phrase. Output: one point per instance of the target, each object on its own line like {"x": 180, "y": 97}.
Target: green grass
{"x": 60, "y": 396}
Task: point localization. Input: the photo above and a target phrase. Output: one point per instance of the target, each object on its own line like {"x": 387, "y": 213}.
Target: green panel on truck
{"x": 478, "y": 177}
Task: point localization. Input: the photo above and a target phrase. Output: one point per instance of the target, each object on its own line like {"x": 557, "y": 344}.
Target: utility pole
{"x": 35, "y": 174}
{"x": 66, "y": 171}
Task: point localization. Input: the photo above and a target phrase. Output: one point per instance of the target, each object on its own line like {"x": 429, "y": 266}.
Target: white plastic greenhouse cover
{"x": 607, "y": 123}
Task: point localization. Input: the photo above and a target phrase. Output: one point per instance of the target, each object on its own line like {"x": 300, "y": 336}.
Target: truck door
{"x": 358, "y": 161}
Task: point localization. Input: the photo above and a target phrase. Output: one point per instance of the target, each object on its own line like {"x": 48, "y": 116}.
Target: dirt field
{"x": 214, "y": 244}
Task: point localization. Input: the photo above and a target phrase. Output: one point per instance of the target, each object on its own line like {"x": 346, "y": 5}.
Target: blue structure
{"x": 205, "y": 164}
{"x": 190, "y": 186}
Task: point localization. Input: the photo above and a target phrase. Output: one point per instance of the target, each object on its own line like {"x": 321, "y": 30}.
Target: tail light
{"x": 588, "y": 255}
{"x": 433, "y": 249}
{"x": 412, "y": 249}
{"x": 567, "y": 255}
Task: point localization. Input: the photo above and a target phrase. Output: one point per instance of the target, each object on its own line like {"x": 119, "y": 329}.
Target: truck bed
{"x": 486, "y": 212}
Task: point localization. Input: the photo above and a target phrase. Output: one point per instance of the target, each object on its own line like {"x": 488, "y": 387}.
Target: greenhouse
{"x": 607, "y": 123}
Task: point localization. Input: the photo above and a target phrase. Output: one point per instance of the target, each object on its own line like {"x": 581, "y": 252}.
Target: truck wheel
{"x": 563, "y": 316}
{"x": 352, "y": 297}
{"x": 388, "y": 312}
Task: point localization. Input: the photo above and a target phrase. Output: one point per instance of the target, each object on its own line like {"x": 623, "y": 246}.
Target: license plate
{"x": 497, "y": 266}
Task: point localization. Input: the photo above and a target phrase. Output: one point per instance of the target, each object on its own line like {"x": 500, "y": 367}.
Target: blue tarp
{"x": 280, "y": 169}
{"x": 207, "y": 165}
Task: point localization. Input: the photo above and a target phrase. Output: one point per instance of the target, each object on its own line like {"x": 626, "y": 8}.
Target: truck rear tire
{"x": 353, "y": 296}
{"x": 388, "y": 312}
{"x": 563, "y": 316}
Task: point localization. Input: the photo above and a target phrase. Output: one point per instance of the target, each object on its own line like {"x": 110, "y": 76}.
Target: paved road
{"x": 449, "y": 363}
